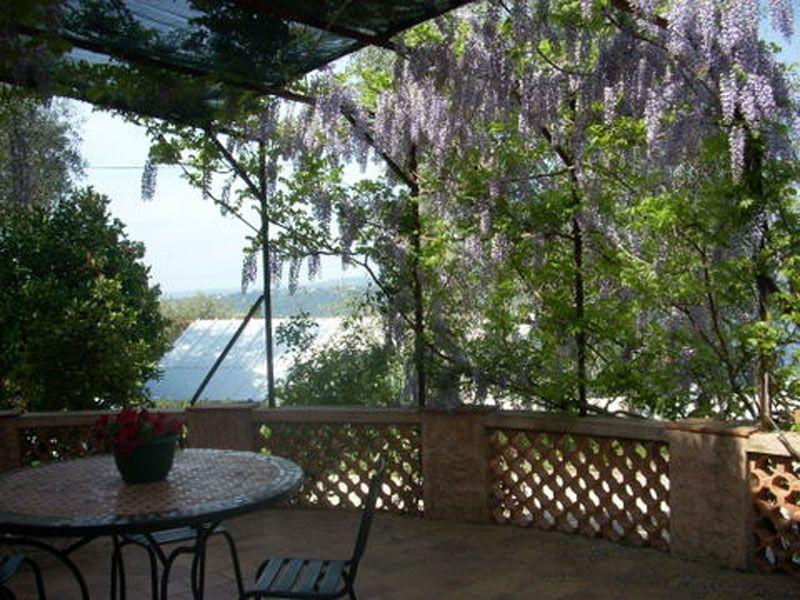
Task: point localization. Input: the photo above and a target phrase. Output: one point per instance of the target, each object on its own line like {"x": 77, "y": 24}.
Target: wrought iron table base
{"x": 61, "y": 555}
{"x": 205, "y": 487}
{"x": 156, "y": 555}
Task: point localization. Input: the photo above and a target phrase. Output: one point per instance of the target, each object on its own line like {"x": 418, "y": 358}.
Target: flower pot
{"x": 148, "y": 462}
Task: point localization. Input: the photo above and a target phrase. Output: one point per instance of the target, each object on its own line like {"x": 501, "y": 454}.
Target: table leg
{"x": 151, "y": 553}
{"x": 203, "y": 531}
{"x": 167, "y": 562}
{"x": 117, "y": 570}
{"x": 61, "y": 555}
{"x": 156, "y": 554}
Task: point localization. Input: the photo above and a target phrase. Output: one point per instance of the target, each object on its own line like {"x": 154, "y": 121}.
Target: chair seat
{"x": 10, "y": 566}
{"x": 169, "y": 536}
{"x": 301, "y": 578}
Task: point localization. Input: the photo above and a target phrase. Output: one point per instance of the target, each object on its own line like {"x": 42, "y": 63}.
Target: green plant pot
{"x": 149, "y": 462}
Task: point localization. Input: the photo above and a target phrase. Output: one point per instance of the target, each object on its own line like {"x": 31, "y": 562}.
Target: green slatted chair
{"x": 318, "y": 579}
{"x": 12, "y": 564}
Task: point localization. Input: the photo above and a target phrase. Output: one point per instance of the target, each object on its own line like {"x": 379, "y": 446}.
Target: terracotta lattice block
{"x": 42, "y": 445}
{"x": 775, "y": 483}
{"x": 596, "y": 486}
{"x": 339, "y": 458}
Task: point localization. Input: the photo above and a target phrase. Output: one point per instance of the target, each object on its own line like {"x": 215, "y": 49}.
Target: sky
{"x": 189, "y": 245}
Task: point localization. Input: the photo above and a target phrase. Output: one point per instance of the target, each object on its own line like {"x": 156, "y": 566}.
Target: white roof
{"x": 241, "y": 376}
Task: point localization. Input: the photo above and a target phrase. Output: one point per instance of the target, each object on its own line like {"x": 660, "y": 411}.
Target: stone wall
{"x": 699, "y": 489}
{"x": 710, "y": 501}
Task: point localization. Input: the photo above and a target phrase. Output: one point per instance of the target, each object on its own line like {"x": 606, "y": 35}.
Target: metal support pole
{"x": 266, "y": 273}
{"x": 225, "y": 351}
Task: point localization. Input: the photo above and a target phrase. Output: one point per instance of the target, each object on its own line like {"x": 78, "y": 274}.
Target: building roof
{"x": 241, "y": 376}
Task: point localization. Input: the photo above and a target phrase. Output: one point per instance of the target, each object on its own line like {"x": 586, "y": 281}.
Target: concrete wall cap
{"x": 227, "y": 406}
{"x": 711, "y": 426}
{"x": 466, "y": 409}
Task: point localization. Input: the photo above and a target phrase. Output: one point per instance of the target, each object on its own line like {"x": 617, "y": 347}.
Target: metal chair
{"x": 154, "y": 544}
{"x": 319, "y": 579}
{"x": 12, "y": 564}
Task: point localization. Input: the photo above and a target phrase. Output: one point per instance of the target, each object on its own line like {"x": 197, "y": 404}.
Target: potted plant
{"x": 143, "y": 443}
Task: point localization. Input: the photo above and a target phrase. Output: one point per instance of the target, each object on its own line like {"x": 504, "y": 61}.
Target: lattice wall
{"x": 596, "y": 486}
{"x": 40, "y": 445}
{"x": 775, "y": 483}
{"x": 338, "y": 460}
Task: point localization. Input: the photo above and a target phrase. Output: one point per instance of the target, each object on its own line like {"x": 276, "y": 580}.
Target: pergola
{"x": 183, "y": 60}
{"x": 194, "y": 62}
{"x": 701, "y": 490}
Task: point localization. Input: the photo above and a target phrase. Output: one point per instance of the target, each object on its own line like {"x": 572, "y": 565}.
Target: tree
{"x": 39, "y": 157}
{"x": 80, "y": 326}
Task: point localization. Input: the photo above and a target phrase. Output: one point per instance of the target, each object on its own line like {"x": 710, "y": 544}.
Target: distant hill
{"x": 319, "y": 301}
{"x": 322, "y": 299}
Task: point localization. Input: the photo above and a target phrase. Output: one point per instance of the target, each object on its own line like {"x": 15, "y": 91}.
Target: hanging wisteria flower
{"x": 295, "y": 263}
{"x": 314, "y": 263}
{"x": 225, "y": 193}
{"x": 275, "y": 268}
{"x": 249, "y": 269}
{"x": 443, "y": 91}
{"x": 205, "y": 182}
{"x": 149, "y": 177}
{"x": 737, "y": 144}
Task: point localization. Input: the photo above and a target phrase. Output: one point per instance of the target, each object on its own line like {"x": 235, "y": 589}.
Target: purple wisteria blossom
{"x": 693, "y": 59}
{"x": 149, "y": 179}
{"x": 249, "y": 269}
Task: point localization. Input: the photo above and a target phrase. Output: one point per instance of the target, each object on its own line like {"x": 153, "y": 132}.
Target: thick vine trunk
{"x": 763, "y": 370}
{"x": 579, "y": 297}
{"x": 419, "y": 322}
{"x": 579, "y": 284}
{"x": 419, "y": 312}
{"x": 754, "y": 178}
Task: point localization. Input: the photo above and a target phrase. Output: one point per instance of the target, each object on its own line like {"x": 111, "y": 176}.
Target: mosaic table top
{"x": 87, "y": 495}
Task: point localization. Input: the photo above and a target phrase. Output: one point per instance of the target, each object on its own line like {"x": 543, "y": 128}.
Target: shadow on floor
{"x": 409, "y": 559}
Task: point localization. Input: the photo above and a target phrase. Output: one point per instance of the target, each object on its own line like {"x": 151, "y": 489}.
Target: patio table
{"x": 85, "y": 498}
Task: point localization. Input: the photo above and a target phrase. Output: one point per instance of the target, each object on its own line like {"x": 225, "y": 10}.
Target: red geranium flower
{"x": 132, "y": 427}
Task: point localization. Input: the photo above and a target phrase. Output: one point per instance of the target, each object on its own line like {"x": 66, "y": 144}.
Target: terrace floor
{"x": 410, "y": 558}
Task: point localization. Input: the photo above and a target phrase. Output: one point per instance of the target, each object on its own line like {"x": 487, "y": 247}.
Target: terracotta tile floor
{"x": 410, "y": 558}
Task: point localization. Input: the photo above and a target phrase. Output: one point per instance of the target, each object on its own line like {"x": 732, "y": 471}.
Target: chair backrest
{"x": 366, "y": 516}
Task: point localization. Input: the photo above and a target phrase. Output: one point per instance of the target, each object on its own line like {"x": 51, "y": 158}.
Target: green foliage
{"x": 80, "y": 326}
{"x": 543, "y": 263}
{"x": 355, "y": 368}
{"x": 671, "y": 260}
{"x": 39, "y": 158}
{"x": 298, "y": 333}
{"x": 670, "y": 274}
